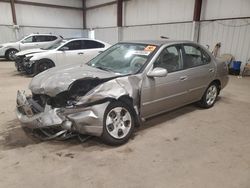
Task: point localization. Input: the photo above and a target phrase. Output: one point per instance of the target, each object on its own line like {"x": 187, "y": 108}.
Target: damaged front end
{"x": 23, "y": 64}
{"x": 77, "y": 110}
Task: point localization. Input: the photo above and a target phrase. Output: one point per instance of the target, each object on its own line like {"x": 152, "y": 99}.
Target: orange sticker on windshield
{"x": 150, "y": 48}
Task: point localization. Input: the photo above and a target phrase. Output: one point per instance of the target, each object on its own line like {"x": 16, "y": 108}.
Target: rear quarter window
{"x": 195, "y": 56}
{"x": 89, "y": 44}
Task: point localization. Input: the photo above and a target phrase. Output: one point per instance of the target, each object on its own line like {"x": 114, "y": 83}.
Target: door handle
{"x": 211, "y": 70}
{"x": 80, "y": 53}
{"x": 182, "y": 78}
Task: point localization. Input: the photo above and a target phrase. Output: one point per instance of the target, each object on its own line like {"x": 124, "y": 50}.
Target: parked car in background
{"x": 74, "y": 51}
{"x": 8, "y": 50}
{"x": 20, "y": 57}
{"x": 123, "y": 86}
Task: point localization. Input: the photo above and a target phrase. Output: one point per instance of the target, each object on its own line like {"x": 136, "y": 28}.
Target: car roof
{"x": 82, "y": 38}
{"x": 159, "y": 42}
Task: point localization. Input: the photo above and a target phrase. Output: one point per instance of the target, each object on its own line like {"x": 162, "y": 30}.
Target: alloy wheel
{"x": 211, "y": 94}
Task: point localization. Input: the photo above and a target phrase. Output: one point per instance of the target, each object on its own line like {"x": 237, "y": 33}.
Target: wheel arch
{"x": 126, "y": 99}
{"x": 218, "y": 83}
{"x": 48, "y": 60}
{"x": 9, "y": 50}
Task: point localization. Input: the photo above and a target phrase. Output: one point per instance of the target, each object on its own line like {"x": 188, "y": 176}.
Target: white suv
{"x": 8, "y": 50}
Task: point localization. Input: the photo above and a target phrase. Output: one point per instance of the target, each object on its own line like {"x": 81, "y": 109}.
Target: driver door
{"x": 29, "y": 43}
{"x": 160, "y": 94}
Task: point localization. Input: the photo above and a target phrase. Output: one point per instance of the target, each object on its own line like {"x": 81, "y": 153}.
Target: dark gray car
{"x": 120, "y": 88}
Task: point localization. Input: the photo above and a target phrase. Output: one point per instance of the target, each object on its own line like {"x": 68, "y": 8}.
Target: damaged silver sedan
{"x": 120, "y": 88}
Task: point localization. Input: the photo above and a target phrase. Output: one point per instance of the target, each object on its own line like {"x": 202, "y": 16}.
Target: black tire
{"x": 213, "y": 91}
{"x": 10, "y": 54}
{"x": 106, "y": 135}
{"x": 43, "y": 65}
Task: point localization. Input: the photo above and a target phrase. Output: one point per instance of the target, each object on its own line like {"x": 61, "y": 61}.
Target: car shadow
{"x": 17, "y": 73}
{"x": 167, "y": 116}
{"x": 4, "y": 60}
{"x": 15, "y": 137}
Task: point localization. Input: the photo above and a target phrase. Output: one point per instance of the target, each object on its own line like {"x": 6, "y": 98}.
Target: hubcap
{"x": 118, "y": 122}
{"x": 11, "y": 54}
{"x": 211, "y": 94}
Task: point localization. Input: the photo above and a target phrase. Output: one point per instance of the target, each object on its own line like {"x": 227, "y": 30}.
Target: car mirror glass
{"x": 158, "y": 72}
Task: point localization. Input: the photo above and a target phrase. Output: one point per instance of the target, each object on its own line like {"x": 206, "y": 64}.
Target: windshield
{"x": 124, "y": 58}
{"x": 54, "y": 46}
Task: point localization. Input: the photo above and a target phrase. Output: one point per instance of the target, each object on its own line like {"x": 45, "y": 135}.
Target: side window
{"x": 39, "y": 38}
{"x": 45, "y": 38}
{"x": 51, "y": 38}
{"x": 29, "y": 40}
{"x": 89, "y": 44}
{"x": 169, "y": 59}
{"x": 73, "y": 45}
{"x": 194, "y": 56}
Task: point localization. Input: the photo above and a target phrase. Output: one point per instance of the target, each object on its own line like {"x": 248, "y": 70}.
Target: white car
{"x": 8, "y": 50}
{"x": 20, "y": 56}
{"x": 73, "y": 51}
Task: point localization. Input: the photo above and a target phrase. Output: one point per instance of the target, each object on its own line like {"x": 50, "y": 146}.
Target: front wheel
{"x": 43, "y": 65}
{"x": 210, "y": 96}
{"x": 118, "y": 123}
{"x": 10, "y": 54}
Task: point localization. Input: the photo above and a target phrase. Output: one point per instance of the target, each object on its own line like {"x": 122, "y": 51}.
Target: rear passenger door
{"x": 200, "y": 70}
{"x": 43, "y": 41}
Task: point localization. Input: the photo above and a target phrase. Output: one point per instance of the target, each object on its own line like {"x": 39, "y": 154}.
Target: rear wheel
{"x": 210, "y": 96}
{"x": 118, "y": 123}
{"x": 10, "y": 54}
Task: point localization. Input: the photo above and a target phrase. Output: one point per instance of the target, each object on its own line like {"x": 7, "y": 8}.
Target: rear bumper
{"x": 224, "y": 81}
{"x": 85, "y": 120}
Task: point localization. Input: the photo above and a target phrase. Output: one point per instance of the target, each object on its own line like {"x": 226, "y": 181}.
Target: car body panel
{"x": 51, "y": 82}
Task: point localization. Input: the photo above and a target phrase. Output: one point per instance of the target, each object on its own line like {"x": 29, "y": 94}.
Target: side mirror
{"x": 158, "y": 72}
{"x": 64, "y": 48}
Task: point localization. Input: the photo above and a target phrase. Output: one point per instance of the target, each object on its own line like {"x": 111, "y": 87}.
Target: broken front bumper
{"x": 84, "y": 120}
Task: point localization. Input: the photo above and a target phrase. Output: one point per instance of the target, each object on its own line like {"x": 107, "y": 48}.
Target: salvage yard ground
{"x": 189, "y": 147}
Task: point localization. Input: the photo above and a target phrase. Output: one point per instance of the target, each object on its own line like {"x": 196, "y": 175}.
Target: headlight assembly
{"x": 26, "y": 59}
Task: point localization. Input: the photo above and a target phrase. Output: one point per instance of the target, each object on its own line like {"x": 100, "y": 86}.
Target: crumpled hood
{"x": 30, "y": 51}
{"x": 58, "y": 79}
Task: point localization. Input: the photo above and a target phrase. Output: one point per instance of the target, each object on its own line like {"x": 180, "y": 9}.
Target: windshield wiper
{"x": 104, "y": 68}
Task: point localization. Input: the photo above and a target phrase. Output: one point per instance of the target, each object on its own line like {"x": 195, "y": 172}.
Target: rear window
{"x": 44, "y": 38}
{"x": 89, "y": 44}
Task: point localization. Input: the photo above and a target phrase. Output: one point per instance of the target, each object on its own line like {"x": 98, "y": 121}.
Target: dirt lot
{"x": 189, "y": 147}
